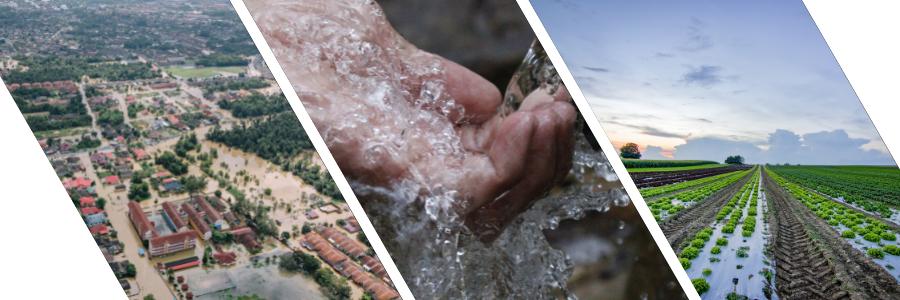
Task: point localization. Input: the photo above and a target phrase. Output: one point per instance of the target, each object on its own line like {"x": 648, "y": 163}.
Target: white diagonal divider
{"x": 608, "y": 148}
{"x": 320, "y": 146}
{"x": 858, "y": 35}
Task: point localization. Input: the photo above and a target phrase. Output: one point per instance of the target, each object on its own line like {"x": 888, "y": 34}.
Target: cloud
{"x": 704, "y": 76}
{"x": 703, "y": 120}
{"x": 697, "y": 41}
{"x": 834, "y": 147}
{"x": 653, "y": 131}
{"x": 598, "y": 70}
{"x": 653, "y": 153}
{"x": 664, "y": 55}
{"x": 715, "y": 149}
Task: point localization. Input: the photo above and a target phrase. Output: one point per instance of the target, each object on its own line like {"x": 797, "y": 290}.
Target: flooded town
{"x": 192, "y": 173}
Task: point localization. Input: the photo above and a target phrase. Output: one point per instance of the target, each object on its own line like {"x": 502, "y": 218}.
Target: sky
{"x": 710, "y": 79}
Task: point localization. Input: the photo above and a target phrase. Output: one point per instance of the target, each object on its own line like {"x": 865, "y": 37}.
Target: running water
{"x": 367, "y": 88}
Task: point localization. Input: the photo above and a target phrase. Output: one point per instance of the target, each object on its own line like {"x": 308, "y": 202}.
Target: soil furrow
{"x": 817, "y": 254}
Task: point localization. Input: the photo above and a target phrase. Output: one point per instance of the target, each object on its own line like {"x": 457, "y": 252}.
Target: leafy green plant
{"x": 685, "y": 263}
{"x": 872, "y": 237}
{"x": 876, "y": 253}
{"x": 700, "y": 285}
{"x": 848, "y": 234}
{"x": 892, "y": 249}
{"x": 715, "y": 250}
{"x": 722, "y": 242}
{"x": 690, "y": 253}
{"x": 707, "y": 272}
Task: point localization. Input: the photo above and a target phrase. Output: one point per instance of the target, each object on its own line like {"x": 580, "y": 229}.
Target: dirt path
{"x": 683, "y": 224}
{"x": 814, "y": 262}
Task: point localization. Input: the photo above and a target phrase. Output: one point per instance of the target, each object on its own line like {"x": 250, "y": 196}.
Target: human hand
{"x": 392, "y": 114}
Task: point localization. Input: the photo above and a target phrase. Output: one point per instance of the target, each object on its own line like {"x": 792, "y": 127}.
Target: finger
{"x": 565, "y": 137}
{"x": 491, "y": 174}
{"x": 490, "y": 220}
{"x": 478, "y": 96}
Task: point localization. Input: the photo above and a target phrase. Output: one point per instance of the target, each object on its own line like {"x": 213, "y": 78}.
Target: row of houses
{"x": 340, "y": 262}
{"x": 56, "y": 85}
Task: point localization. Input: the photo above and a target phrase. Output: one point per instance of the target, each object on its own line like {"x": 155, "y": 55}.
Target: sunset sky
{"x": 709, "y": 79}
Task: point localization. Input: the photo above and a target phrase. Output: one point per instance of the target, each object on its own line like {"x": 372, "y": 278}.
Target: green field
{"x": 204, "y": 72}
{"x": 645, "y": 163}
{"x": 638, "y": 170}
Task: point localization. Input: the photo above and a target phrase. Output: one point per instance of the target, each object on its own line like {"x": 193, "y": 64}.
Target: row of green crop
{"x": 639, "y": 163}
{"x": 656, "y": 191}
{"x": 838, "y": 214}
{"x": 854, "y": 185}
{"x": 740, "y": 200}
{"x": 665, "y": 204}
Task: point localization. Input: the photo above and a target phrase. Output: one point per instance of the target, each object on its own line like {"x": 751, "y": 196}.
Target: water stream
{"x": 382, "y": 107}
{"x": 441, "y": 259}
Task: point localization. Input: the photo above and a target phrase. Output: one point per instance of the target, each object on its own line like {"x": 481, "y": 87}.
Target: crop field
{"x": 785, "y": 232}
{"x": 641, "y": 170}
{"x": 643, "y": 163}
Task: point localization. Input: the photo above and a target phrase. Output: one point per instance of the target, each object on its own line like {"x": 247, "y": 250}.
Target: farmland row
{"x": 662, "y": 190}
{"x": 869, "y": 189}
{"x": 662, "y": 178}
{"x": 681, "y": 226}
{"x": 852, "y": 245}
{"x": 735, "y": 266}
{"x": 668, "y": 206}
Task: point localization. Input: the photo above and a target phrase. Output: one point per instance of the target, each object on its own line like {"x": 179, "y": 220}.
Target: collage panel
{"x": 180, "y": 153}
{"x": 744, "y": 137}
{"x": 475, "y": 193}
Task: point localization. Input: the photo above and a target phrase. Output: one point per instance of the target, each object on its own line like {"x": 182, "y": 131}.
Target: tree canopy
{"x": 630, "y": 150}
{"x": 735, "y": 160}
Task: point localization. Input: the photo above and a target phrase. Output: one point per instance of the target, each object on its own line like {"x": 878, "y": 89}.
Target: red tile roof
{"x": 140, "y": 219}
{"x": 210, "y": 211}
{"x": 86, "y": 201}
{"x": 332, "y": 256}
{"x": 99, "y": 229}
{"x": 140, "y": 154}
{"x": 341, "y": 241}
{"x": 120, "y": 139}
{"x": 225, "y": 258}
{"x": 172, "y": 238}
{"x": 167, "y": 180}
{"x": 89, "y": 210}
{"x": 112, "y": 179}
{"x": 80, "y": 182}
{"x": 173, "y": 215}
{"x": 196, "y": 218}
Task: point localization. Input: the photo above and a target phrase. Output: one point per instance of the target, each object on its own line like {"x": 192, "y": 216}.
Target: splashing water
{"x": 367, "y": 88}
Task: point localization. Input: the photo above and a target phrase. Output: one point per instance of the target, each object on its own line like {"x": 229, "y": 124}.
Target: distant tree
{"x": 149, "y": 297}
{"x": 193, "y": 184}
{"x": 101, "y": 203}
{"x": 218, "y": 193}
{"x": 306, "y": 229}
{"x": 341, "y": 222}
{"x": 630, "y": 150}
{"x": 285, "y": 235}
{"x": 735, "y": 160}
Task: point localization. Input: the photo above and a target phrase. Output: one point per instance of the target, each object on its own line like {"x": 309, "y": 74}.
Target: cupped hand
{"x": 390, "y": 112}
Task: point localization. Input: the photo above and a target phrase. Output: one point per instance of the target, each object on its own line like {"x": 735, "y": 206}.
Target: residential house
{"x": 95, "y": 219}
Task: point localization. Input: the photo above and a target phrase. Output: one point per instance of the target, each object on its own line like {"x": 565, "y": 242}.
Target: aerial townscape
{"x": 187, "y": 164}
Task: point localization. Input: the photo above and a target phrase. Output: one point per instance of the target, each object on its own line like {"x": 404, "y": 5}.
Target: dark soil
{"x": 682, "y": 225}
{"x": 814, "y": 262}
